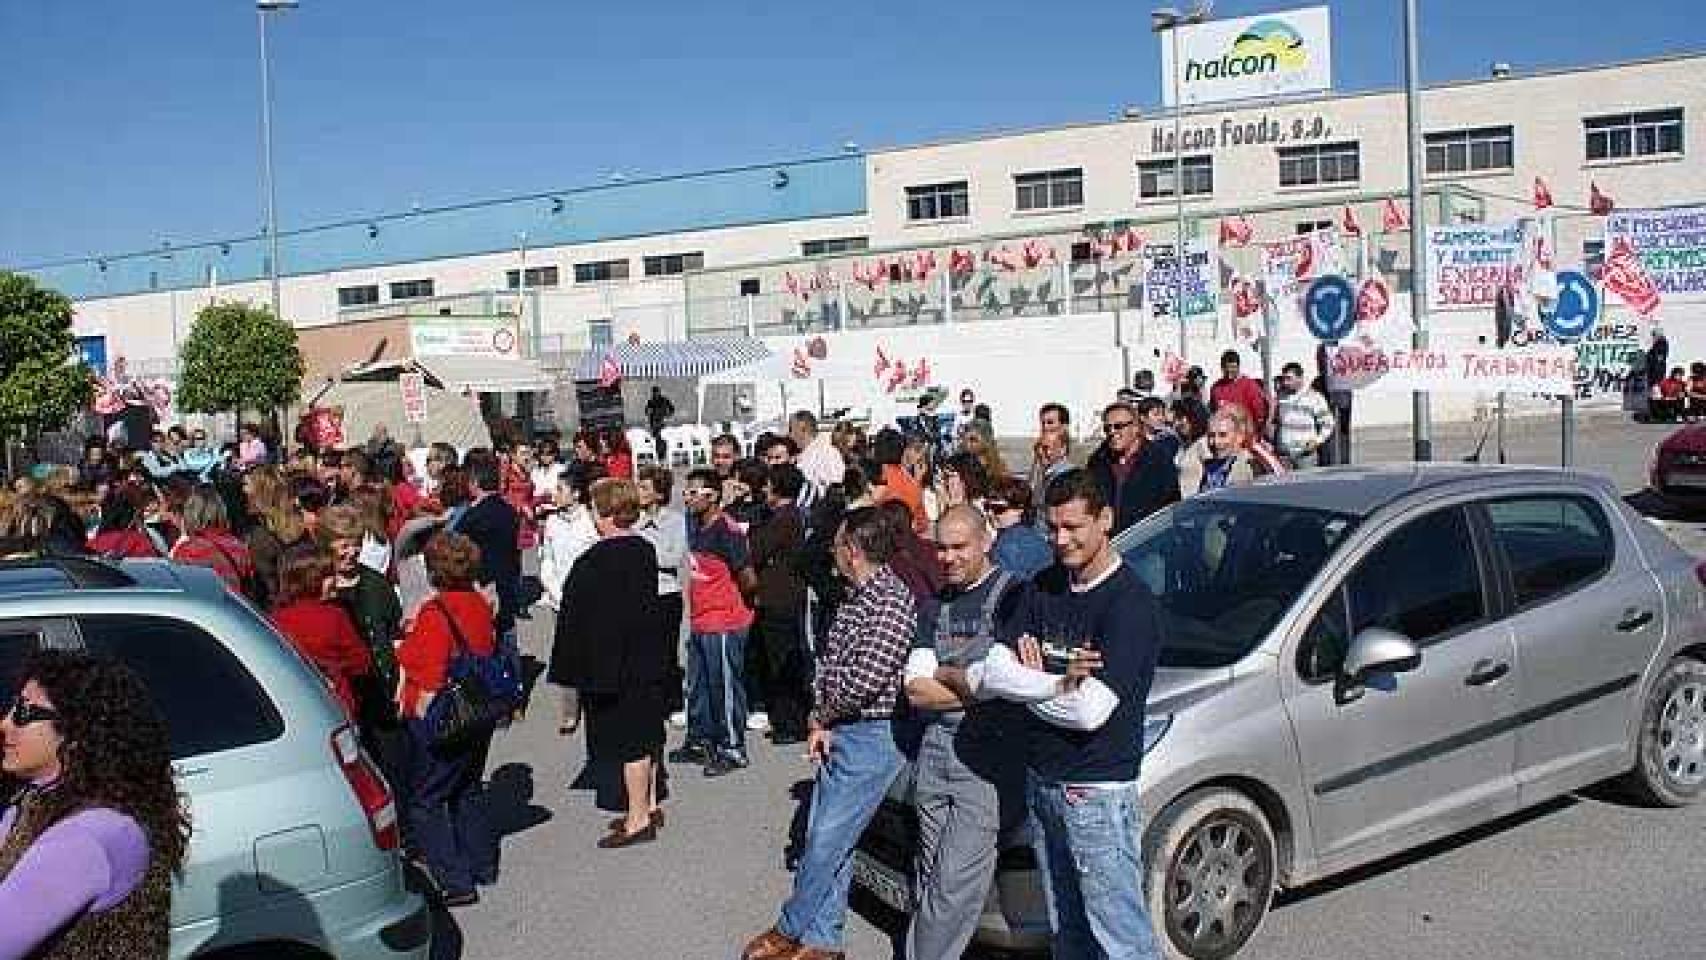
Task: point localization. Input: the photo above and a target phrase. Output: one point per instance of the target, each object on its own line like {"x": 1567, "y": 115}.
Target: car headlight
{"x": 1154, "y": 728}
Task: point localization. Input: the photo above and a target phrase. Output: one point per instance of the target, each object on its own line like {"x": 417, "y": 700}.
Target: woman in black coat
{"x": 611, "y": 647}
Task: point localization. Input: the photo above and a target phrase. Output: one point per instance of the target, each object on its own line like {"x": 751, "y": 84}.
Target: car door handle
{"x": 1485, "y": 672}
{"x": 1634, "y": 620}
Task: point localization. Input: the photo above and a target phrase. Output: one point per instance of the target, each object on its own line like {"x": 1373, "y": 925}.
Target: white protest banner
{"x": 1290, "y": 51}
{"x": 1289, "y": 265}
{"x": 1469, "y": 265}
{"x": 1202, "y": 278}
{"x": 413, "y": 387}
{"x": 1671, "y": 244}
{"x": 1367, "y": 365}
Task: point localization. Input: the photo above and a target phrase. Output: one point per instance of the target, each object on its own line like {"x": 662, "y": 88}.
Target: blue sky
{"x": 130, "y": 122}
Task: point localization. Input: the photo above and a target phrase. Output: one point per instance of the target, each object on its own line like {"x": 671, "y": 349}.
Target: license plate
{"x": 893, "y": 888}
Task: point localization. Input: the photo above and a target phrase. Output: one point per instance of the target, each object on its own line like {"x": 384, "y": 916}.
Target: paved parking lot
{"x": 1582, "y": 877}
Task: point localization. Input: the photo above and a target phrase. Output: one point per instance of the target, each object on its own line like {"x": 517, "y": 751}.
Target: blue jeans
{"x": 1088, "y": 846}
{"x": 716, "y": 691}
{"x": 863, "y": 761}
{"x": 445, "y": 810}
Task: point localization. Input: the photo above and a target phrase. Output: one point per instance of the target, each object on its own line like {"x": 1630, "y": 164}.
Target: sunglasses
{"x": 24, "y": 713}
{"x": 1116, "y": 427}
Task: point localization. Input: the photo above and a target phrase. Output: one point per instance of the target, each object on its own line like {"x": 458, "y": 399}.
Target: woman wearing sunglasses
{"x": 96, "y": 828}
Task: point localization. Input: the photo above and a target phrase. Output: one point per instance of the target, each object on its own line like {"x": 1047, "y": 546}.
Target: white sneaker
{"x": 758, "y": 721}
{"x": 678, "y": 720}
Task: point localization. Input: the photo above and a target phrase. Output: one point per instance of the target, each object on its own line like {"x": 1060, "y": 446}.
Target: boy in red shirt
{"x": 1668, "y": 396}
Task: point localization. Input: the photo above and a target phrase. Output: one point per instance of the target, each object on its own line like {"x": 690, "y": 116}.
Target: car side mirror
{"x": 1374, "y": 650}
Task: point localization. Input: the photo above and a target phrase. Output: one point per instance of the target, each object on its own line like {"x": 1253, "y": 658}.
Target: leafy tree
{"x": 239, "y": 356}
{"x": 41, "y": 383}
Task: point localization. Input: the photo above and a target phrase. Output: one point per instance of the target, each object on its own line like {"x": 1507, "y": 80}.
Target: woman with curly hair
{"x": 89, "y": 845}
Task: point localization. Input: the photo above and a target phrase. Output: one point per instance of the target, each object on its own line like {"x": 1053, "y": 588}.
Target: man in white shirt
{"x": 819, "y": 461}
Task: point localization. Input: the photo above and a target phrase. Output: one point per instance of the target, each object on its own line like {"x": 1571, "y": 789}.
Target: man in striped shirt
{"x": 856, "y": 692}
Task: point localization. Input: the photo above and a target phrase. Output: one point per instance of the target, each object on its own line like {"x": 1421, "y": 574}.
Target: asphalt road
{"x": 1581, "y": 877}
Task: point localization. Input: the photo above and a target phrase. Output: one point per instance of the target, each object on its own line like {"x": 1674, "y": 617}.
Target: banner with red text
{"x": 1365, "y": 365}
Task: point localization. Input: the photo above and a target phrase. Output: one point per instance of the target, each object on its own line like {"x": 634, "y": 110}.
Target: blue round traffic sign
{"x": 1330, "y": 308}
{"x": 1577, "y": 308}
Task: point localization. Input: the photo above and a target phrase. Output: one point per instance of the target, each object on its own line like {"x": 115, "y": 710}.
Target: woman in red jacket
{"x": 443, "y": 807}
{"x": 121, "y": 533}
{"x": 320, "y": 629}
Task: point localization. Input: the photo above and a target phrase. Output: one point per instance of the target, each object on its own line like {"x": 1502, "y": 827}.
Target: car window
{"x": 1421, "y": 581}
{"x": 209, "y": 700}
{"x": 1223, "y": 572}
{"x": 1551, "y": 543}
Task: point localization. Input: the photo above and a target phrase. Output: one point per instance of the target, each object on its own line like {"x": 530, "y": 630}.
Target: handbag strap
{"x": 450, "y": 621}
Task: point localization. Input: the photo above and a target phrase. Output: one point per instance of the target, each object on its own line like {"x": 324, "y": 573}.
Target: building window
{"x": 1320, "y": 165}
{"x": 1155, "y": 178}
{"x": 1656, "y": 133}
{"x": 358, "y": 296}
{"x": 938, "y": 201}
{"x": 1083, "y": 252}
{"x": 819, "y": 248}
{"x": 1307, "y": 227}
{"x": 536, "y": 277}
{"x": 1593, "y": 255}
{"x": 749, "y": 287}
{"x": 1466, "y": 151}
{"x": 1049, "y": 190}
{"x": 411, "y": 289}
{"x": 599, "y": 271}
{"x": 671, "y": 264}
{"x": 599, "y": 334}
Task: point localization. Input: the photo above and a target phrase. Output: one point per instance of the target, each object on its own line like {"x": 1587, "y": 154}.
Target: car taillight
{"x": 371, "y": 790}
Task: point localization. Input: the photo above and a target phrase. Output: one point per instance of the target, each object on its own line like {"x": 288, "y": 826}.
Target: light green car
{"x": 295, "y": 846}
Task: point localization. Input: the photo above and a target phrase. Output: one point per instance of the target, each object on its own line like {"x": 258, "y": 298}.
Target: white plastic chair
{"x": 643, "y": 445}
{"x": 677, "y": 449}
{"x": 699, "y": 444}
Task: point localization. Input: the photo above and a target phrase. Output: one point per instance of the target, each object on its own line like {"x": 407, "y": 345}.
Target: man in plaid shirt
{"x": 857, "y": 689}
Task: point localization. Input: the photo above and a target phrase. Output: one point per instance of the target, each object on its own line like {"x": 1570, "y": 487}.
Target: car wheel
{"x": 1670, "y": 748}
{"x": 1209, "y": 873}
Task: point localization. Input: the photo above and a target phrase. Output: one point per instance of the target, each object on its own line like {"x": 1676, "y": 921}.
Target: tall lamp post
{"x": 1168, "y": 20}
{"x": 262, "y": 9}
{"x": 1422, "y": 423}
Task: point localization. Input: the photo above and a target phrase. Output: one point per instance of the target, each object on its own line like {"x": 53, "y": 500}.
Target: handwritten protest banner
{"x": 1671, "y": 244}
{"x": 1364, "y": 365}
{"x": 1202, "y": 278}
{"x": 1468, "y": 265}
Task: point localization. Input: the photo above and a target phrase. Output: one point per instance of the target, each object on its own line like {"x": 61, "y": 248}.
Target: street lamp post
{"x": 1169, "y": 20}
{"x": 1422, "y": 425}
{"x": 262, "y": 8}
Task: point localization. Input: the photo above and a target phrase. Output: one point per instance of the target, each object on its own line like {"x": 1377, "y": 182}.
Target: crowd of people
{"x": 876, "y": 596}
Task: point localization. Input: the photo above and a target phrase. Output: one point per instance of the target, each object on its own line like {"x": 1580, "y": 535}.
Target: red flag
{"x": 1373, "y": 300}
{"x": 1245, "y": 302}
{"x": 801, "y": 367}
{"x": 1600, "y": 204}
{"x": 961, "y": 263}
{"x": 1235, "y": 231}
{"x": 1542, "y": 195}
{"x": 609, "y": 372}
{"x": 1392, "y": 216}
{"x": 1627, "y": 277}
{"x": 882, "y": 363}
{"x": 1349, "y": 223}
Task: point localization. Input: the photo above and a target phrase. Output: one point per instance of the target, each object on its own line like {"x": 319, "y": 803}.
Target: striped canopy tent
{"x": 678, "y": 360}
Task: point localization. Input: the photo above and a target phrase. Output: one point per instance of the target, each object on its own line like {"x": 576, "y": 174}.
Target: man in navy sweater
{"x": 1080, "y": 651}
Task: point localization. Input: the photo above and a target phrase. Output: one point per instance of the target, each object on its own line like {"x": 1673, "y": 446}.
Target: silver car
{"x": 294, "y": 849}
{"x": 1361, "y": 660}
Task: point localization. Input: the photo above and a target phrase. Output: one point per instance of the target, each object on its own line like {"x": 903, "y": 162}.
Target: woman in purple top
{"x": 96, "y": 827}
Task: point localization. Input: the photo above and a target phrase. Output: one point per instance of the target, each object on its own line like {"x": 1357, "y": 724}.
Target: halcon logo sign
{"x": 1248, "y": 58}
{"x": 1267, "y": 47}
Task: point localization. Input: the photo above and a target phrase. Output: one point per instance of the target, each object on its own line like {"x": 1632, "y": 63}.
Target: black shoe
{"x": 617, "y": 839}
{"x": 725, "y": 763}
{"x": 690, "y": 752}
{"x": 462, "y": 898}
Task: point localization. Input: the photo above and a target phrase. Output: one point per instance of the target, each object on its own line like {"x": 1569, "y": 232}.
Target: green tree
{"x": 41, "y": 383}
{"x": 239, "y": 356}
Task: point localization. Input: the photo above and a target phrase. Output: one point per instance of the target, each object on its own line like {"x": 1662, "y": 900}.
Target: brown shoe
{"x": 814, "y": 953}
{"x": 618, "y": 839}
{"x": 656, "y": 817}
{"x": 772, "y": 944}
